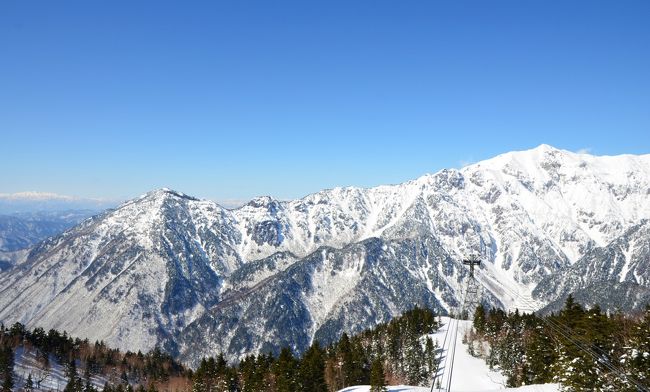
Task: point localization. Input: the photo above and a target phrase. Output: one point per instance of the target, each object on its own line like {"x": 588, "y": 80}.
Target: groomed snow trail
{"x": 466, "y": 373}
{"x": 459, "y": 370}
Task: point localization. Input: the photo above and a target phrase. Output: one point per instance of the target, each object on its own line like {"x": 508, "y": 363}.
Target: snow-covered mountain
{"x": 615, "y": 276}
{"x": 197, "y": 278}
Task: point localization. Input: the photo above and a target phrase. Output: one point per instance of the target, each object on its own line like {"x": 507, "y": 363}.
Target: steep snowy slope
{"x": 616, "y": 275}
{"x": 170, "y": 269}
{"x": 128, "y": 276}
{"x": 329, "y": 291}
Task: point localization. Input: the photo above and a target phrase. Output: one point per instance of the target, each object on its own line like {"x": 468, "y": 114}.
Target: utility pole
{"x": 471, "y": 299}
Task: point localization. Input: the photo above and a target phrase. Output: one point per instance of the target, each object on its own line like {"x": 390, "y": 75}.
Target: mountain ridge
{"x": 155, "y": 269}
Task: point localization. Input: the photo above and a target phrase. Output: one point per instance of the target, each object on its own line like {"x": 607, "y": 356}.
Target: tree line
{"x": 82, "y": 361}
{"x": 397, "y": 352}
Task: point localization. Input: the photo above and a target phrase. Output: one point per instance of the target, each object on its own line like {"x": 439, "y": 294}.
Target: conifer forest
{"x": 581, "y": 349}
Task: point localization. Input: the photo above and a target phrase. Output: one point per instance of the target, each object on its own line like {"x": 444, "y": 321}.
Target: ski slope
{"x": 459, "y": 371}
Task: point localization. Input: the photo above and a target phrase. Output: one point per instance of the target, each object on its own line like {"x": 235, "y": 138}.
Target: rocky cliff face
{"x": 188, "y": 274}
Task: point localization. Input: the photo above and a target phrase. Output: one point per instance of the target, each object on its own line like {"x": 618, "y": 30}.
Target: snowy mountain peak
{"x": 163, "y": 193}
{"x": 167, "y": 267}
{"x": 263, "y": 202}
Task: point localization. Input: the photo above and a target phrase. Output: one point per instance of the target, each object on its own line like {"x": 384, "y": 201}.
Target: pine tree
{"x": 377, "y": 377}
{"x": 74, "y": 382}
{"x": 348, "y": 361}
{"x": 252, "y": 372}
{"x": 285, "y": 371}
{"x": 360, "y": 369}
{"x": 430, "y": 355}
{"x": 479, "y": 319}
{"x": 510, "y": 352}
{"x": 414, "y": 355}
{"x": 575, "y": 369}
{"x": 312, "y": 369}
{"x": 541, "y": 356}
{"x": 7, "y": 368}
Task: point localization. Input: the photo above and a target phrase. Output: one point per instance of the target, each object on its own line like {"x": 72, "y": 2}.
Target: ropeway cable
{"x": 442, "y": 350}
{"x": 600, "y": 358}
{"x": 453, "y": 356}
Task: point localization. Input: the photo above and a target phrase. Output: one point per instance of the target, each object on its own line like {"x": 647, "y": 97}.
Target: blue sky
{"x": 233, "y": 99}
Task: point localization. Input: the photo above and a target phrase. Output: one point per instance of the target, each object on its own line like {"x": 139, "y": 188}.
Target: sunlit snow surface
{"x": 52, "y": 378}
{"x": 469, "y": 374}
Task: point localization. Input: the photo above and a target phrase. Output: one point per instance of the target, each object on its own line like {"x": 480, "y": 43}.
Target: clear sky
{"x": 233, "y": 99}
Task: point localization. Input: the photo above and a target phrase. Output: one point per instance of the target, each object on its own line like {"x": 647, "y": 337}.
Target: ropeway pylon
{"x": 471, "y": 299}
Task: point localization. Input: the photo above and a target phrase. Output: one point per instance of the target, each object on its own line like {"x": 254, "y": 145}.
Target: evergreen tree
{"x": 199, "y": 378}
{"x": 7, "y": 368}
{"x": 430, "y": 355}
{"x": 540, "y": 355}
{"x": 510, "y": 354}
{"x": 359, "y": 369}
{"x": 251, "y": 375}
{"x": 414, "y": 364}
{"x": 284, "y": 371}
{"x": 574, "y": 369}
{"x": 312, "y": 369}
{"x": 74, "y": 382}
{"x": 198, "y": 384}
{"x": 349, "y": 365}
{"x": 377, "y": 377}
{"x": 479, "y": 319}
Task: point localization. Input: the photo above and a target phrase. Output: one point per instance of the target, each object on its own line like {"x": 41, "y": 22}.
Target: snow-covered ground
{"x": 465, "y": 373}
{"x": 406, "y": 388}
{"x": 52, "y": 378}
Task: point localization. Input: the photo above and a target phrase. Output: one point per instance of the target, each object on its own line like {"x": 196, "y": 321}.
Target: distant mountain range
{"x": 39, "y": 202}
{"x": 196, "y": 278}
{"x": 22, "y": 230}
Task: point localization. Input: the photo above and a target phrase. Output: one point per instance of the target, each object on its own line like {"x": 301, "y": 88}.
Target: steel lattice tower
{"x": 471, "y": 299}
